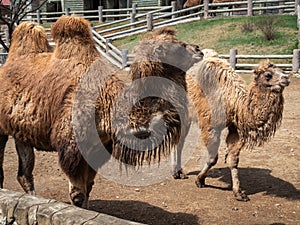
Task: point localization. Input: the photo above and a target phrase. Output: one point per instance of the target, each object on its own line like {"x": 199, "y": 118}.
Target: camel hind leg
{"x": 3, "y": 140}
{"x": 211, "y": 140}
{"x": 234, "y": 146}
{"x": 26, "y": 164}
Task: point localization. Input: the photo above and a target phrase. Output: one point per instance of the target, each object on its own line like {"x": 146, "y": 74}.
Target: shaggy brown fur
{"x": 251, "y": 115}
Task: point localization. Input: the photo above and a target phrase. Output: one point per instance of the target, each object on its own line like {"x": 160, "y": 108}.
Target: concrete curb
{"x": 23, "y": 209}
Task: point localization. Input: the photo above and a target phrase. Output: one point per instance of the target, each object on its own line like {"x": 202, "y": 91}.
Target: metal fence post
{"x": 250, "y": 8}
{"x": 232, "y": 60}
{"x": 296, "y": 58}
{"x": 38, "y": 16}
{"x": 206, "y": 2}
{"x": 100, "y": 13}
{"x": 124, "y": 58}
{"x": 149, "y": 22}
{"x": 173, "y": 4}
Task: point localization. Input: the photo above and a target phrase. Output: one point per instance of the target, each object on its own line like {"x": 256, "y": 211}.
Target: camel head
{"x": 29, "y": 37}
{"x": 269, "y": 77}
{"x": 161, "y": 54}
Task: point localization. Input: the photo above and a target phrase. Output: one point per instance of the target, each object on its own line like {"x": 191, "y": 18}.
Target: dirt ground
{"x": 270, "y": 175}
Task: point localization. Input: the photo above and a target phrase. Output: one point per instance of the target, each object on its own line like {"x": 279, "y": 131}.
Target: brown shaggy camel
{"x": 39, "y": 90}
{"x": 160, "y": 56}
{"x": 252, "y": 115}
{"x": 48, "y": 105}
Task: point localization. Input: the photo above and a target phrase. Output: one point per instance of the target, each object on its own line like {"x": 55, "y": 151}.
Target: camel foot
{"x": 180, "y": 175}
{"x": 78, "y": 199}
{"x": 200, "y": 183}
{"x": 241, "y": 196}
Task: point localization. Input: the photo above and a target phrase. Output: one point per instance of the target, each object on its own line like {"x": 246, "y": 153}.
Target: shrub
{"x": 248, "y": 26}
{"x": 267, "y": 25}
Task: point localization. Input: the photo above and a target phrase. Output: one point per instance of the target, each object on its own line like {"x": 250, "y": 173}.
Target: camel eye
{"x": 268, "y": 76}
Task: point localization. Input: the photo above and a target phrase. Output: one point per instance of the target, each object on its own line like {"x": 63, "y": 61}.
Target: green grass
{"x": 226, "y": 33}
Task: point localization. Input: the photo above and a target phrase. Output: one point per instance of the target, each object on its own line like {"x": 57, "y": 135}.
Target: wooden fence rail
{"x": 233, "y": 58}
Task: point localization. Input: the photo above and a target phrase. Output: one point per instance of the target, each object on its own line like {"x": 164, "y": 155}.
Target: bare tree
{"x": 11, "y": 15}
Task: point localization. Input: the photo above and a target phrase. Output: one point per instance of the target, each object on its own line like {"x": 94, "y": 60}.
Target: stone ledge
{"x": 19, "y": 209}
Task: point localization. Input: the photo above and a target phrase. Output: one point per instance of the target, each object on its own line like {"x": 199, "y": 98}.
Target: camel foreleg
{"x": 177, "y": 172}
{"x": 234, "y": 147}
{"x": 81, "y": 185}
{"x": 26, "y": 164}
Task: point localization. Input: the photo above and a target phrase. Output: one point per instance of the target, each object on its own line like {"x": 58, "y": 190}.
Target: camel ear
{"x": 257, "y": 71}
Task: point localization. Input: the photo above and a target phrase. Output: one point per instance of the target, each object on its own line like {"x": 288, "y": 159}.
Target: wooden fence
{"x": 128, "y": 21}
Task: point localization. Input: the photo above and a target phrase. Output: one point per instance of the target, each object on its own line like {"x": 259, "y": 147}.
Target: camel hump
{"x": 170, "y": 31}
{"x": 70, "y": 27}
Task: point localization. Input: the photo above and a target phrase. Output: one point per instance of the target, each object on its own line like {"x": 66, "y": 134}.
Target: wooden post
{"x": 297, "y": 3}
{"x": 296, "y": 58}
{"x": 68, "y": 11}
{"x": 108, "y": 41}
{"x": 100, "y": 13}
{"x": 38, "y": 16}
{"x": 250, "y": 8}
{"x": 132, "y": 20}
{"x": 206, "y": 2}
{"x": 134, "y": 11}
{"x": 173, "y": 4}
{"x": 7, "y": 39}
{"x": 149, "y": 22}
{"x": 281, "y": 11}
{"x": 232, "y": 60}
{"x": 124, "y": 58}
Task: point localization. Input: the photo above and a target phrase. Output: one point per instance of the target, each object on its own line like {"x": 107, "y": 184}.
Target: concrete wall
{"x": 22, "y": 209}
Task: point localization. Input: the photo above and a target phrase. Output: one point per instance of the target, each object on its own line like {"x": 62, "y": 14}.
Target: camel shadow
{"x": 141, "y": 212}
{"x": 255, "y": 180}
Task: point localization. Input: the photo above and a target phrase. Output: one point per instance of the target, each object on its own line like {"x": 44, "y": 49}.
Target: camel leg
{"x": 211, "y": 139}
{"x": 90, "y": 182}
{"x": 81, "y": 185}
{"x": 177, "y": 172}
{"x": 26, "y": 164}
{"x": 234, "y": 146}
{"x": 78, "y": 187}
{"x": 3, "y": 140}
